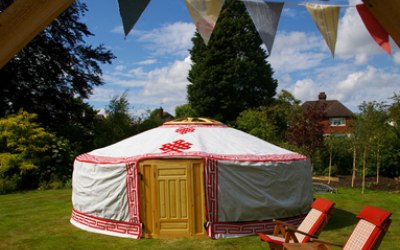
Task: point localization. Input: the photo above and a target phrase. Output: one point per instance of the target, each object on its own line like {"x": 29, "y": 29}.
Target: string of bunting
{"x": 380, "y": 17}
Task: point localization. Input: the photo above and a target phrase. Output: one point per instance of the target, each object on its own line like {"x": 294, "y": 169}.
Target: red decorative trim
{"x": 132, "y": 193}
{"x": 260, "y": 158}
{"x": 88, "y": 158}
{"x": 120, "y": 227}
{"x": 248, "y": 228}
{"x": 211, "y": 191}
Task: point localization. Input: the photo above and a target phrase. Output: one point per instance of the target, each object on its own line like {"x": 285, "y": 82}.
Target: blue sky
{"x": 153, "y": 61}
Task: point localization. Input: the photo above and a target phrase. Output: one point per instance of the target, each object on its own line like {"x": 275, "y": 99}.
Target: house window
{"x": 337, "y": 122}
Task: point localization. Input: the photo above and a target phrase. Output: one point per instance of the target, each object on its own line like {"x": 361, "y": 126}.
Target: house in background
{"x": 336, "y": 116}
{"x": 162, "y": 115}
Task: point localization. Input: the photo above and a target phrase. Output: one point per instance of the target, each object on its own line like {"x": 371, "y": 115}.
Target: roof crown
{"x": 193, "y": 120}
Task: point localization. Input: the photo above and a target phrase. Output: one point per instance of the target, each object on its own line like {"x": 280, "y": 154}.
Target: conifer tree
{"x": 231, "y": 73}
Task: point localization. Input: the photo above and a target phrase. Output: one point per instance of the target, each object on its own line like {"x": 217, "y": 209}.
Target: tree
{"x": 185, "y": 110}
{"x": 354, "y": 141}
{"x": 54, "y": 73}
{"x": 329, "y": 141}
{"x": 117, "y": 123}
{"x": 372, "y": 127}
{"x": 281, "y": 111}
{"x": 256, "y": 123}
{"x": 394, "y": 114}
{"x": 337, "y": 148}
{"x": 305, "y": 129}
{"x": 153, "y": 119}
{"x": 270, "y": 122}
{"x": 231, "y": 73}
{"x": 391, "y": 155}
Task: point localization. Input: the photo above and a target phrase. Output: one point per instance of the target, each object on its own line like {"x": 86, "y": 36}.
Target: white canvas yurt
{"x": 189, "y": 177}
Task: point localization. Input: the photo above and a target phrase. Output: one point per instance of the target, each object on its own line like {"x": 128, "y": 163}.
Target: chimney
{"x": 322, "y": 96}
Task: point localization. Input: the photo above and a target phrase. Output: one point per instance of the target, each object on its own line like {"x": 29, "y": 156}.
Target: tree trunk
{"x": 378, "y": 164}
{"x": 364, "y": 170}
{"x": 330, "y": 167}
{"x": 353, "y": 178}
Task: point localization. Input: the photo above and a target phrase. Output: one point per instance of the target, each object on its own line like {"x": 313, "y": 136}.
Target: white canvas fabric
{"x": 205, "y": 140}
{"x": 100, "y": 190}
{"x": 261, "y": 191}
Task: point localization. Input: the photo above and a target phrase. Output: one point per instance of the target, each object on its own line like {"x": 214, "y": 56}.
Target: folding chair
{"x": 368, "y": 233}
{"x": 312, "y": 224}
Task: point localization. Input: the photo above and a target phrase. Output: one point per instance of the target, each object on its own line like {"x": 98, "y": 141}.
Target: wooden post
{"x": 23, "y": 20}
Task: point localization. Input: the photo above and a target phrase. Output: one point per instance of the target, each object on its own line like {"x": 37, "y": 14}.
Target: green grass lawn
{"x": 40, "y": 220}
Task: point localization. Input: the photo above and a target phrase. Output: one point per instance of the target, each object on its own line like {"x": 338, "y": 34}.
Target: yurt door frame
{"x": 172, "y": 198}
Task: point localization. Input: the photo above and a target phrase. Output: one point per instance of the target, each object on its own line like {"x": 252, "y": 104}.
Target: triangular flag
{"x": 374, "y": 28}
{"x": 265, "y": 16}
{"x": 387, "y": 12}
{"x": 326, "y": 17}
{"x": 130, "y": 11}
{"x": 204, "y": 14}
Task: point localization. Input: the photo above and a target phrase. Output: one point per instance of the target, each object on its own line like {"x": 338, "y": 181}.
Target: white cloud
{"x": 119, "y": 67}
{"x": 121, "y": 80}
{"x": 118, "y": 29}
{"x": 103, "y": 95}
{"x": 147, "y": 62}
{"x": 351, "y": 87}
{"x": 304, "y": 89}
{"x": 289, "y": 12}
{"x": 370, "y": 84}
{"x": 137, "y": 72}
{"x": 396, "y": 57}
{"x": 296, "y": 51}
{"x": 164, "y": 86}
{"x": 167, "y": 85}
{"x": 170, "y": 39}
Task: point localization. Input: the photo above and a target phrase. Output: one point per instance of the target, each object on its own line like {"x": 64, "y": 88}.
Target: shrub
{"x": 32, "y": 154}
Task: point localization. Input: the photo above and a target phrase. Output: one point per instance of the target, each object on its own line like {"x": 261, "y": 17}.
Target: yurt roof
{"x": 192, "y": 137}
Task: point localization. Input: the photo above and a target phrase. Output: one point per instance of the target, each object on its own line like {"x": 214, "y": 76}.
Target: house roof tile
{"x": 333, "y": 108}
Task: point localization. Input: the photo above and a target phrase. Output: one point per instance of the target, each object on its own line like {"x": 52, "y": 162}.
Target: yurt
{"x": 189, "y": 177}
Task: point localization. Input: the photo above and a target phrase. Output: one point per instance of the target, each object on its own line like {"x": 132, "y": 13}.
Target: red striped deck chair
{"x": 312, "y": 225}
{"x": 369, "y": 231}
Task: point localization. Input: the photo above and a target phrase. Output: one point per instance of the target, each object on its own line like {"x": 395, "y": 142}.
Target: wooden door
{"x": 172, "y": 198}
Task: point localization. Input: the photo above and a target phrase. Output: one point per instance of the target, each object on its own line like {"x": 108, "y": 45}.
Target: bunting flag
{"x": 374, "y": 28}
{"x": 204, "y": 14}
{"x": 387, "y": 12}
{"x": 130, "y": 11}
{"x": 326, "y": 17}
{"x": 265, "y": 16}
{"x": 380, "y": 17}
